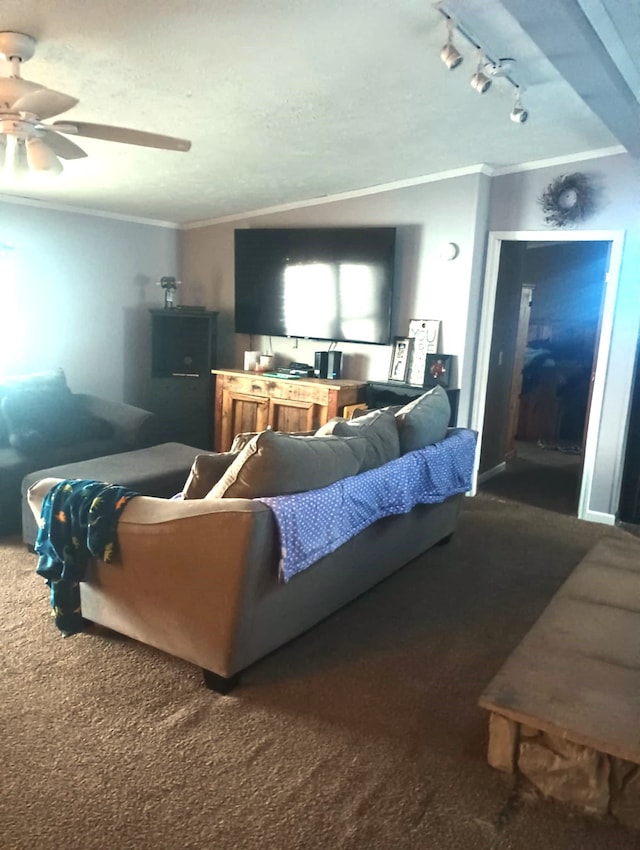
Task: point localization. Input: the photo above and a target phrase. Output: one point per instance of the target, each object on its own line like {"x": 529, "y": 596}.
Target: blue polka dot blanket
{"x": 78, "y": 520}
{"x": 425, "y": 476}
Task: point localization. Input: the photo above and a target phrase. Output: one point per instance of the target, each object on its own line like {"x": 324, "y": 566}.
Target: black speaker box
{"x": 181, "y": 344}
{"x": 327, "y": 364}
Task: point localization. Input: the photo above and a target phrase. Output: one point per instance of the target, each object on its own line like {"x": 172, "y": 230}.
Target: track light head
{"x": 518, "y": 114}
{"x": 480, "y": 82}
{"x": 449, "y": 54}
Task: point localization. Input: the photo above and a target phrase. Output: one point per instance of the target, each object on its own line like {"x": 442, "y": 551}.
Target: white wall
{"x": 428, "y": 287}
{"x": 83, "y": 287}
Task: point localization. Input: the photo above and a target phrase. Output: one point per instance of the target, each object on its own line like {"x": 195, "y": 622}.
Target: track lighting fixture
{"x": 501, "y": 68}
{"x": 488, "y": 68}
{"x": 480, "y": 82}
{"x": 518, "y": 114}
{"x": 449, "y": 55}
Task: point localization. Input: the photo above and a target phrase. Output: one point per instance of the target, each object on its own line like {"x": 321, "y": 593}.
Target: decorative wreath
{"x": 567, "y": 199}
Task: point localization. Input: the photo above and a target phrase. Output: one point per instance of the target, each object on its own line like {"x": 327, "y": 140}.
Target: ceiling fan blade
{"x": 61, "y": 146}
{"x": 13, "y": 88}
{"x": 44, "y": 103}
{"x": 122, "y": 134}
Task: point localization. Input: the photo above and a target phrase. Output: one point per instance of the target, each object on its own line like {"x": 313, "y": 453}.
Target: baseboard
{"x": 599, "y": 516}
{"x": 489, "y": 473}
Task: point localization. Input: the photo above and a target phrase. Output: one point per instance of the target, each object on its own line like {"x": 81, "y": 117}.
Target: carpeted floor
{"x": 362, "y": 733}
{"x": 542, "y": 478}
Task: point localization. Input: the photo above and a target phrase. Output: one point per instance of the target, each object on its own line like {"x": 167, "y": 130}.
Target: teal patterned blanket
{"x": 78, "y": 521}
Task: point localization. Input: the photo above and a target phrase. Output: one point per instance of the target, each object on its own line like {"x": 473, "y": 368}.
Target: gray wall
{"x": 428, "y": 287}
{"x": 85, "y": 284}
{"x": 514, "y": 207}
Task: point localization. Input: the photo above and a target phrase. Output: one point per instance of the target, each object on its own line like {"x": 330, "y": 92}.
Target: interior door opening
{"x": 545, "y": 339}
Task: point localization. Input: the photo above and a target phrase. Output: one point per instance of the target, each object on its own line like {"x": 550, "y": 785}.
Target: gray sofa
{"x": 43, "y": 424}
{"x": 202, "y": 577}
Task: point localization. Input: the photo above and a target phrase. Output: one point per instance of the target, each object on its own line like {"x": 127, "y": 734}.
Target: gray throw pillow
{"x": 424, "y": 420}
{"x": 206, "y": 470}
{"x": 275, "y": 464}
{"x": 380, "y": 430}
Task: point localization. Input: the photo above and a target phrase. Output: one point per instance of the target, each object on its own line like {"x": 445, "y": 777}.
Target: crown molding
{"x": 68, "y": 208}
{"x": 344, "y": 196}
{"x": 559, "y": 160}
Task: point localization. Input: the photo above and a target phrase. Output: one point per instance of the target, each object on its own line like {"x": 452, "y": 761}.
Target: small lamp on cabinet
{"x": 169, "y": 286}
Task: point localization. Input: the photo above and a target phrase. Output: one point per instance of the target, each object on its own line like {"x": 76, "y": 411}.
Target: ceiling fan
{"x": 28, "y": 145}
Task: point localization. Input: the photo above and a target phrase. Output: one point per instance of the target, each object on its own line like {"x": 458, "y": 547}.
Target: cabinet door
{"x": 290, "y": 415}
{"x": 240, "y": 413}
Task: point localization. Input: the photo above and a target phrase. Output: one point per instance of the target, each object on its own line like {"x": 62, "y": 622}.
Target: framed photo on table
{"x": 400, "y": 359}
{"x": 438, "y": 369}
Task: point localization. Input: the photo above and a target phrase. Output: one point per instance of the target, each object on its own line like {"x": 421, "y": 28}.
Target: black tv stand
{"x": 384, "y": 393}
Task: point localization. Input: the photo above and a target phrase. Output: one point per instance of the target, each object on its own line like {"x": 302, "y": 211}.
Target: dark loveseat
{"x": 44, "y": 424}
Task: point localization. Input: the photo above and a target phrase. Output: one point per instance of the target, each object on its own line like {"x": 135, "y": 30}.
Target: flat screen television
{"x": 327, "y": 283}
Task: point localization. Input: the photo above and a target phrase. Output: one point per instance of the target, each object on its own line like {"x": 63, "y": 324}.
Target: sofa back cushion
{"x": 424, "y": 420}
{"x": 276, "y": 464}
{"x": 380, "y": 430}
{"x": 206, "y": 470}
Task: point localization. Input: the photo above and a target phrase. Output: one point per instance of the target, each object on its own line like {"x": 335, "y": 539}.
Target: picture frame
{"x": 400, "y": 358}
{"x": 426, "y": 337}
{"x": 438, "y": 368}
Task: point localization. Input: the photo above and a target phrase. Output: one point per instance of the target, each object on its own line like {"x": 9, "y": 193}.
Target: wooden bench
{"x": 575, "y": 677}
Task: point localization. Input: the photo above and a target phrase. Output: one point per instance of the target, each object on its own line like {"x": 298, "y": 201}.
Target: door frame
{"x": 485, "y": 333}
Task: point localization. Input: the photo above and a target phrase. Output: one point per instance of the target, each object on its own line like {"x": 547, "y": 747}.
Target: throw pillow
{"x": 206, "y": 470}
{"x": 275, "y": 464}
{"x": 379, "y": 429}
{"x": 53, "y": 380}
{"x": 424, "y": 420}
{"x": 242, "y": 440}
{"x": 46, "y": 415}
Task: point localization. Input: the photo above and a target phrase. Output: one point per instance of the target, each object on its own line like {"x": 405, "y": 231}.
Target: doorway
{"x": 545, "y": 334}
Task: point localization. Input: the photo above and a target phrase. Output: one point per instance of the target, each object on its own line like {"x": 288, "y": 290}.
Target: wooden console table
{"x": 246, "y": 401}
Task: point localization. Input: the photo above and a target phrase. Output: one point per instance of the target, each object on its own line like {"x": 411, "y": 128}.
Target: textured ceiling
{"x": 290, "y": 100}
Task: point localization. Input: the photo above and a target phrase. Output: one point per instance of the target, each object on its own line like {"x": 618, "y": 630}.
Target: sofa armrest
{"x": 133, "y": 426}
{"x": 182, "y": 575}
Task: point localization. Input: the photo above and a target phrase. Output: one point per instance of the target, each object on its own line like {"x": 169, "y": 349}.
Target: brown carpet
{"x": 362, "y": 733}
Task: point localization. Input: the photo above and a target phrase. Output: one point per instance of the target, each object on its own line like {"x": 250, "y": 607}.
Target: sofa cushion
{"x": 276, "y": 464}
{"x": 380, "y": 430}
{"x": 424, "y": 420}
{"x": 206, "y": 470}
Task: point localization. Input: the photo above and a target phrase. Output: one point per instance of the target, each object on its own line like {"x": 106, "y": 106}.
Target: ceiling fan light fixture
{"x": 15, "y": 165}
{"x": 41, "y": 158}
